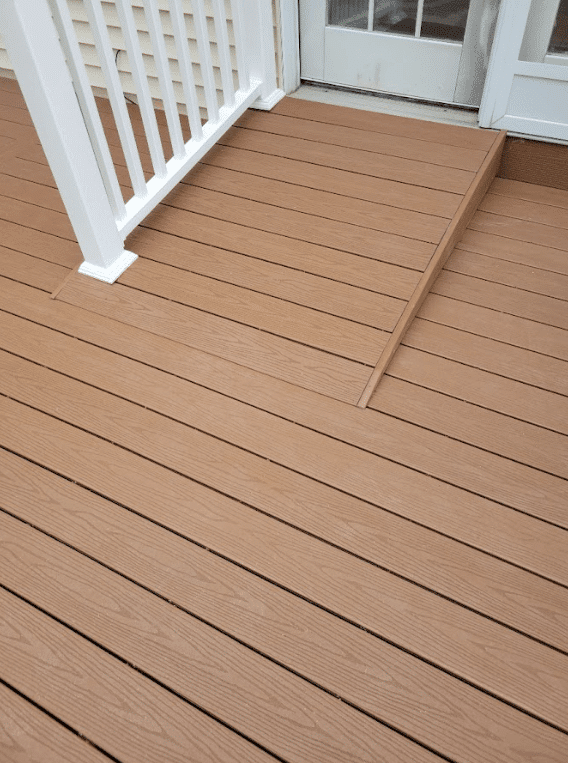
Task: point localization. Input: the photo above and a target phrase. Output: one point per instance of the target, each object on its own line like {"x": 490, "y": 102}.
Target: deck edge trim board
{"x": 454, "y": 232}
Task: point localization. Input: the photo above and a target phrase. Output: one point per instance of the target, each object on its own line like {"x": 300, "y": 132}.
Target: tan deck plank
{"x": 519, "y": 332}
{"x": 387, "y": 123}
{"x": 39, "y": 244}
{"x": 386, "y": 247}
{"x": 29, "y": 736}
{"x": 519, "y": 538}
{"x": 276, "y": 316}
{"x": 396, "y": 194}
{"x": 540, "y": 194}
{"x": 331, "y": 206}
{"x": 396, "y": 168}
{"x": 30, "y": 270}
{"x": 456, "y": 571}
{"x": 466, "y": 422}
{"x": 497, "y": 393}
{"x": 532, "y": 255}
{"x": 261, "y": 700}
{"x": 343, "y": 267}
{"x": 273, "y": 355}
{"x": 376, "y": 531}
{"x": 438, "y": 153}
{"x": 35, "y": 217}
{"x": 514, "y": 363}
{"x": 501, "y": 480}
{"x": 328, "y": 294}
{"x": 524, "y": 277}
{"x": 523, "y": 209}
{"x": 506, "y": 299}
{"x": 75, "y": 572}
{"x": 497, "y": 659}
{"x": 381, "y": 277}
{"x": 105, "y": 692}
{"x": 520, "y": 230}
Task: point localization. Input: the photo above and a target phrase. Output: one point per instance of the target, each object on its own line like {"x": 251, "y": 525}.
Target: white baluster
{"x": 186, "y": 68}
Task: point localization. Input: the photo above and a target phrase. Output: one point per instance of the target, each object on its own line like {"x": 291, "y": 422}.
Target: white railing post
{"x": 36, "y": 55}
{"x": 258, "y": 39}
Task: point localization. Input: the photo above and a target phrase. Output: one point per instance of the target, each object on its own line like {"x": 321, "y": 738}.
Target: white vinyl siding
{"x": 85, "y": 39}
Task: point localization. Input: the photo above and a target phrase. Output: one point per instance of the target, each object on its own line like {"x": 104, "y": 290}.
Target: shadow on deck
{"x": 209, "y": 552}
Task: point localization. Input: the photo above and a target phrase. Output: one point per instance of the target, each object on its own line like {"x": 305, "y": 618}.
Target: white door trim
{"x": 290, "y": 44}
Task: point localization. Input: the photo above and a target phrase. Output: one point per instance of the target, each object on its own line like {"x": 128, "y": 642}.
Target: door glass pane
{"x": 559, "y": 38}
{"x": 349, "y": 13}
{"x": 444, "y": 19}
{"x": 396, "y": 16}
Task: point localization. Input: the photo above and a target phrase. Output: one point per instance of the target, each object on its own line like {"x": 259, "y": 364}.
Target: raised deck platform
{"x": 205, "y": 552}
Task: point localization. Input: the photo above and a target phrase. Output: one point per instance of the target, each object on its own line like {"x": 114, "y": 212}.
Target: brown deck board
{"x": 509, "y": 274}
{"x": 522, "y": 252}
{"x": 437, "y": 630}
{"x": 244, "y": 345}
{"x": 386, "y": 123}
{"x": 520, "y": 230}
{"x": 392, "y": 145}
{"x": 262, "y": 700}
{"x": 519, "y": 332}
{"x": 523, "y": 209}
{"x": 247, "y": 156}
{"x": 398, "y": 571}
{"x": 535, "y": 307}
{"x": 538, "y": 193}
{"x": 468, "y": 422}
{"x": 431, "y": 176}
{"x": 160, "y": 724}
{"x": 27, "y": 734}
{"x": 79, "y": 576}
{"x": 331, "y": 206}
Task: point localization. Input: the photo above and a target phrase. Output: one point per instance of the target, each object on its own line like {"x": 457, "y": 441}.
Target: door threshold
{"x": 387, "y": 104}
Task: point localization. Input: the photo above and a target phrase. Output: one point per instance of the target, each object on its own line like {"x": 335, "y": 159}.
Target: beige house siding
{"x": 85, "y": 38}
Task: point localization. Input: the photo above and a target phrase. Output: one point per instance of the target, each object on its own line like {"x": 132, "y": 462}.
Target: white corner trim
{"x": 112, "y": 272}
{"x": 265, "y": 104}
{"x": 290, "y": 44}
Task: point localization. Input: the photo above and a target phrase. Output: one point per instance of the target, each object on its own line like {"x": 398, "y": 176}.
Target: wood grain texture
{"x": 518, "y": 276}
{"x": 393, "y": 145}
{"x": 29, "y": 736}
{"x": 427, "y": 625}
{"x": 401, "y": 169}
{"x": 386, "y": 123}
{"x": 467, "y": 422}
{"x": 530, "y": 192}
{"x": 244, "y": 345}
{"x": 522, "y": 252}
{"x": 69, "y": 590}
{"x": 452, "y": 235}
{"x": 375, "y": 538}
{"x": 265, "y": 701}
{"x": 320, "y": 204}
{"x": 519, "y": 332}
{"x": 520, "y": 230}
{"x": 525, "y": 209}
{"x": 484, "y": 388}
{"x": 248, "y": 156}
{"x": 38, "y": 656}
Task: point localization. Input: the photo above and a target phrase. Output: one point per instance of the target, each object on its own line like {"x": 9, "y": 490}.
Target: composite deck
{"x": 208, "y": 551}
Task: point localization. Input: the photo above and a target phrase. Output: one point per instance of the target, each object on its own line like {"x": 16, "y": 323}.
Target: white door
{"x": 527, "y": 84}
{"x": 437, "y": 50}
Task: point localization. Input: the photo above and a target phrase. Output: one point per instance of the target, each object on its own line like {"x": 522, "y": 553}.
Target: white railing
{"x": 48, "y": 63}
